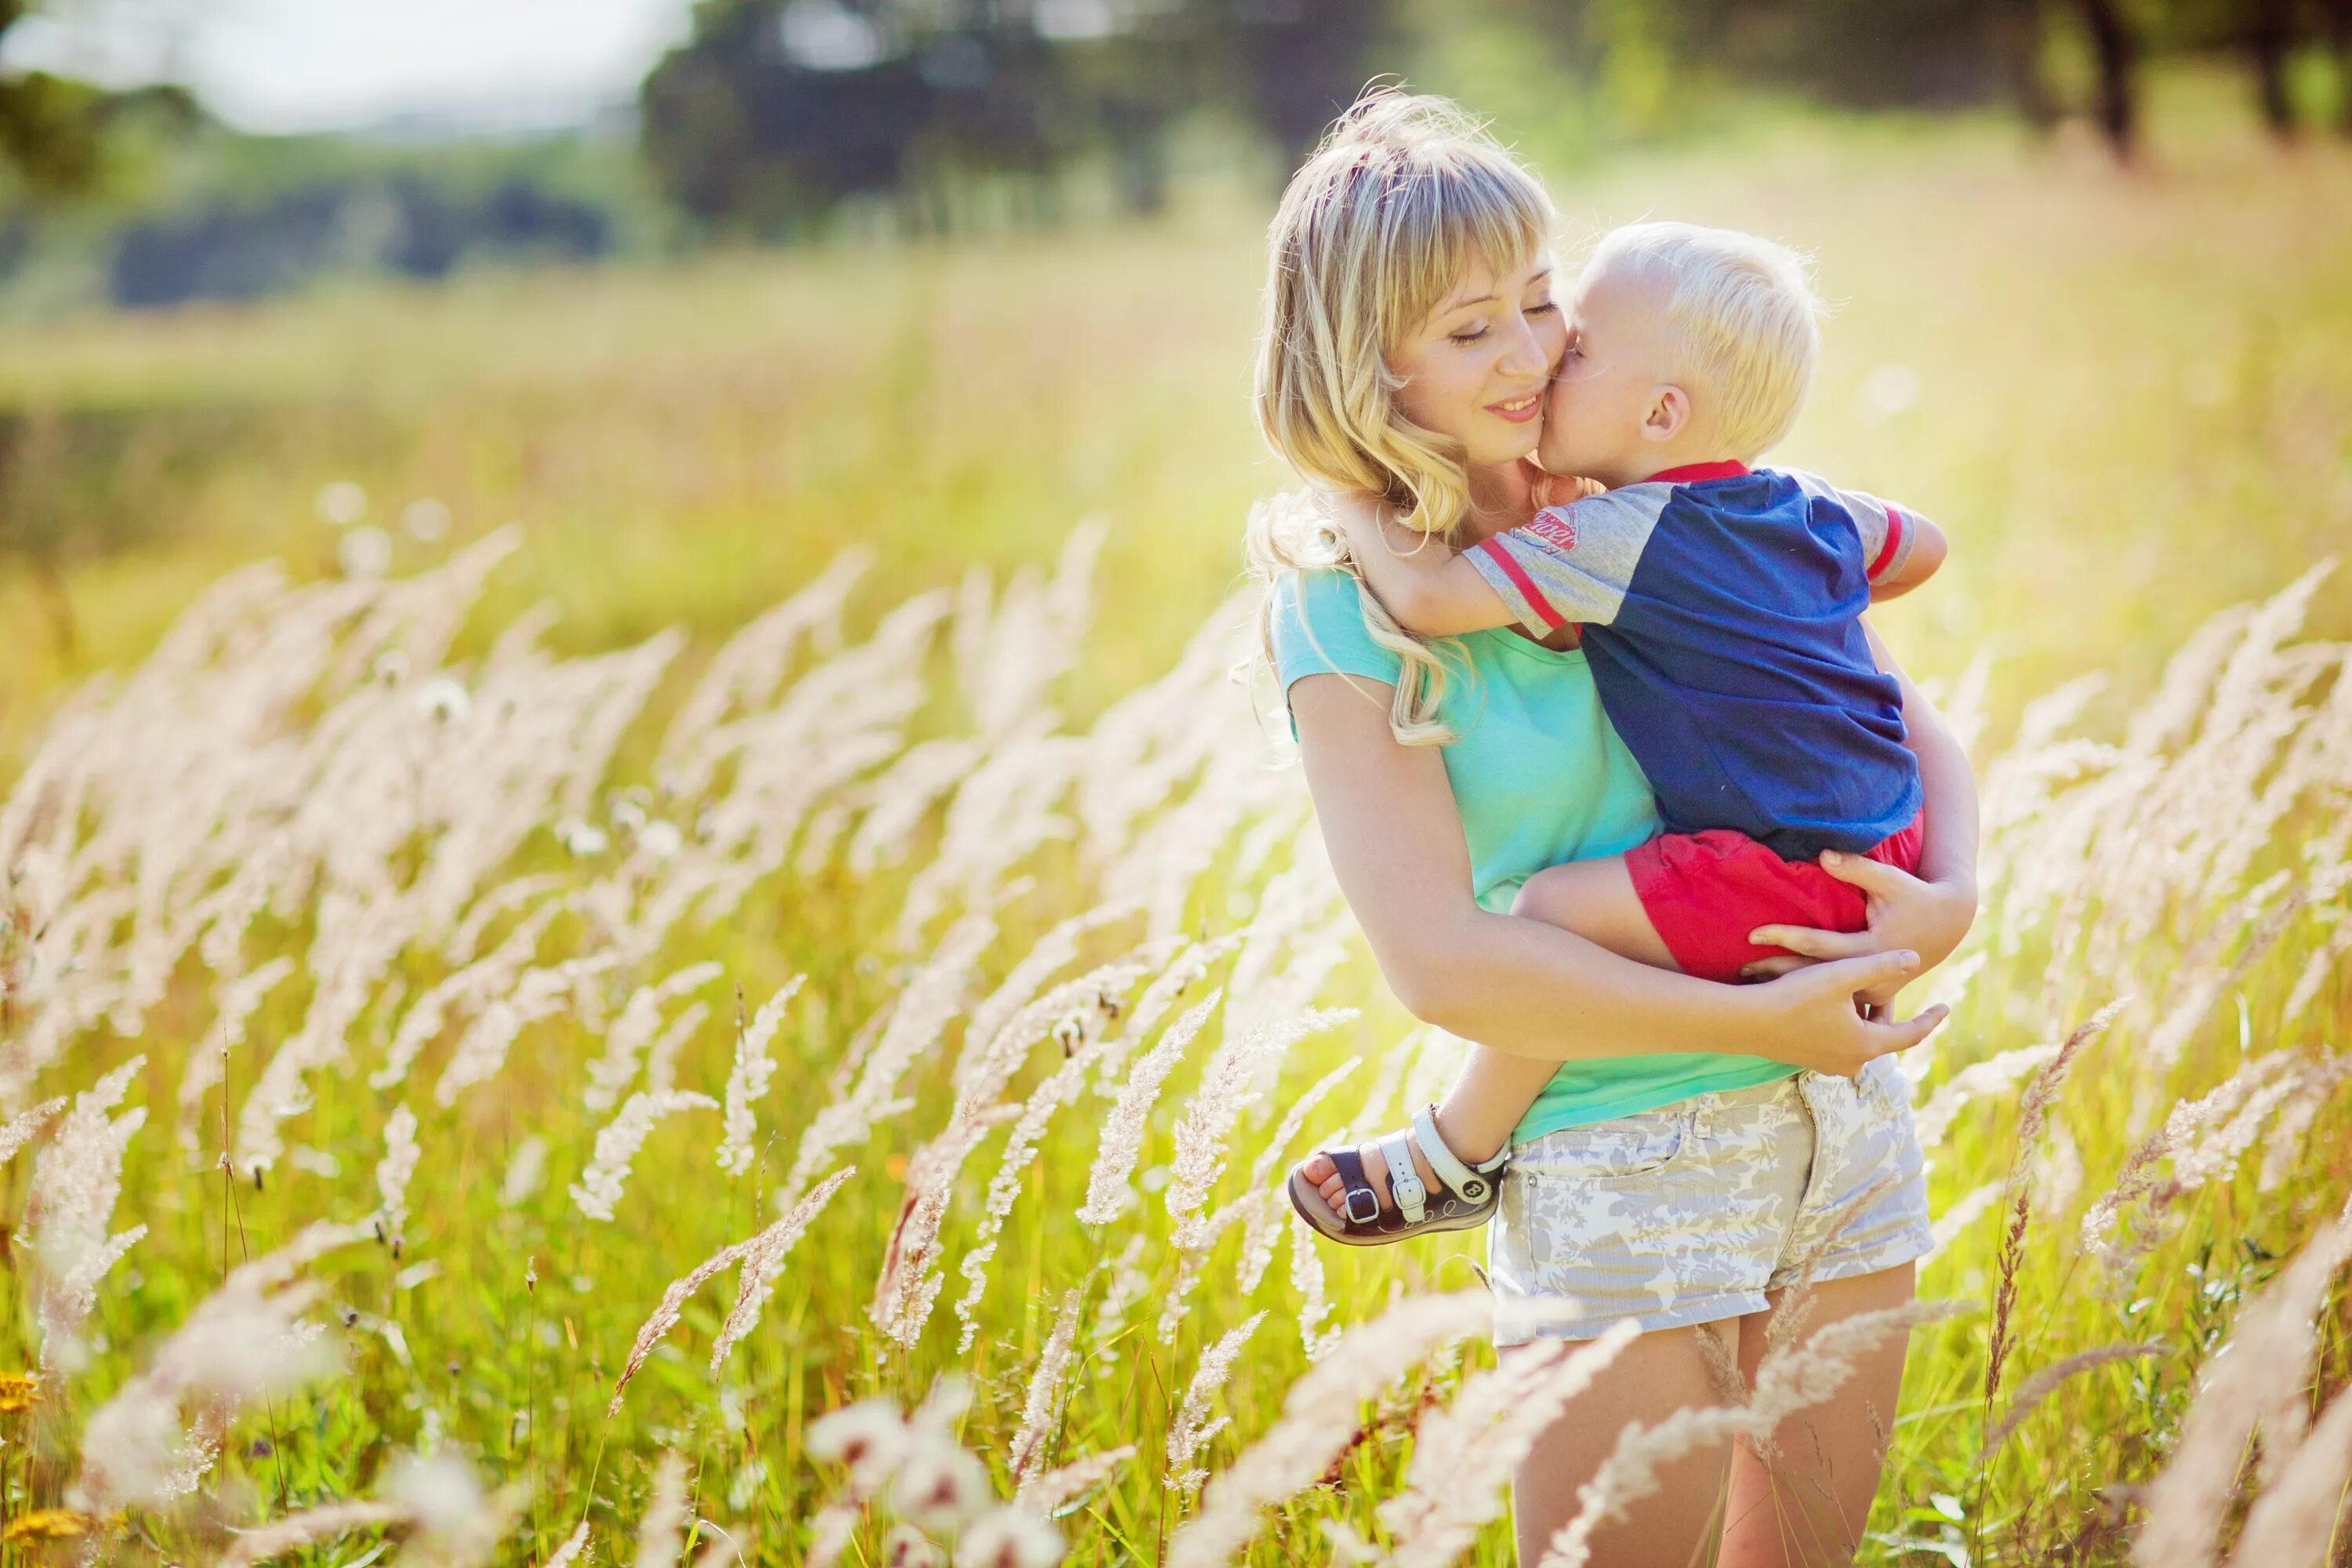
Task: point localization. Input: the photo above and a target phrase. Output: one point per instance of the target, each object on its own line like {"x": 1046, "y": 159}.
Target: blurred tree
{"x": 53, "y": 131}
{"x": 2117, "y": 54}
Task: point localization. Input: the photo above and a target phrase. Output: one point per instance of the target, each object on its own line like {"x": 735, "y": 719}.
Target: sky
{"x": 328, "y": 65}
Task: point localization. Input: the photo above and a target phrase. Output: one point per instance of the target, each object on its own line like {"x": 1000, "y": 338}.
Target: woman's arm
{"x": 1521, "y": 987}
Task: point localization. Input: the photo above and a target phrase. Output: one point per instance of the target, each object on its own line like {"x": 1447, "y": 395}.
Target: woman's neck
{"x": 1499, "y": 500}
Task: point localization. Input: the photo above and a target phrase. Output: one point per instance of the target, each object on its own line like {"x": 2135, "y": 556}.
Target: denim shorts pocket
{"x": 1631, "y": 1148}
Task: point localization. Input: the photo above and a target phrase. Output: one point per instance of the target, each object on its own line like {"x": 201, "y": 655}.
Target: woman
{"x": 1703, "y": 1146}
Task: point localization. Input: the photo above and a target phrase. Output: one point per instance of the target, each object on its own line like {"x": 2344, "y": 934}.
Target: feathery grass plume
{"x": 77, "y": 1179}
{"x": 1083, "y": 1037}
{"x": 1186, "y": 969}
{"x": 1318, "y": 1421}
{"x": 1003, "y": 811}
{"x": 661, "y": 1058}
{"x": 599, "y": 1186}
{"x": 1214, "y": 1107}
{"x": 748, "y": 668}
{"x": 391, "y": 1176}
{"x": 1041, "y": 1409}
{"x": 1194, "y": 1425}
{"x": 640, "y": 1021}
{"x": 538, "y": 993}
{"x": 1263, "y": 1205}
{"x": 993, "y": 1018}
{"x": 1009, "y": 1537}
{"x": 1990, "y": 1076}
{"x": 1306, "y": 1280}
{"x": 243, "y": 1343}
{"x": 310, "y": 1527}
{"x": 2172, "y": 1140}
{"x": 467, "y": 988}
{"x": 1463, "y": 1452}
{"x": 763, "y": 1260}
{"x": 904, "y": 1546}
{"x": 524, "y": 1169}
{"x": 1794, "y": 1377}
{"x": 1047, "y": 1493}
{"x": 237, "y": 1000}
{"x": 1963, "y": 1212}
{"x": 747, "y": 1082}
{"x": 927, "y": 1004}
{"x": 2047, "y": 1382}
{"x": 2033, "y": 1111}
{"x": 2257, "y": 1380}
{"x": 830, "y": 1533}
{"x": 20, "y": 1128}
{"x": 2298, "y": 1515}
{"x": 660, "y": 1531}
{"x": 666, "y": 1312}
{"x": 1122, "y": 1131}
{"x": 909, "y": 1284}
{"x": 2284, "y": 1145}
{"x": 569, "y": 1552}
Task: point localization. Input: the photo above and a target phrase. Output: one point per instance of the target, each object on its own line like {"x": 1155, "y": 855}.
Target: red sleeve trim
{"x": 1522, "y": 582}
{"x": 1894, "y": 545}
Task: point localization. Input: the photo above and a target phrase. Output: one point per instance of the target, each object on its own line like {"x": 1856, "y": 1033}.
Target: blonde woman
{"x": 1701, "y": 1146}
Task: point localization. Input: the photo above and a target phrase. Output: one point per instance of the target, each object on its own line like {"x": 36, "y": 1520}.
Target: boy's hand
{"x": 1929, "y": 919}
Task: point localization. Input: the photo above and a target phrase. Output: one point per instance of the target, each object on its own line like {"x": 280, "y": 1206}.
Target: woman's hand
{"x": 1808, "y": 1017}
{"x": 1928, "y": 919}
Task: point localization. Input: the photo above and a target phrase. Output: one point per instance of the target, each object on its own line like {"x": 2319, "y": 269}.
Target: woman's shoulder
{"x": 1316, "y": 626}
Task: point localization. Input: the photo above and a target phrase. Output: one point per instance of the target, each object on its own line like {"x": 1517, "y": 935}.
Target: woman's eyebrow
{"x": 1452, "y": 305}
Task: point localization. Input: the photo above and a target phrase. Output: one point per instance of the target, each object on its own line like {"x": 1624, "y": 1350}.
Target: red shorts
{"x": 1703, "y": 892}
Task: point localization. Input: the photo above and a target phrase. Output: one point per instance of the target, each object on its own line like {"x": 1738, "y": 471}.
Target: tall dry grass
{"x": 473, "y": 999}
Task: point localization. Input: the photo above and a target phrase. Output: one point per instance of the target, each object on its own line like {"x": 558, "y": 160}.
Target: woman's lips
{"x": 1519, "y": 410}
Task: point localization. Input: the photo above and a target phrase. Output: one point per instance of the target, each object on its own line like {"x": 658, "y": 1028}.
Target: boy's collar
{"x": 1692, "y": 473}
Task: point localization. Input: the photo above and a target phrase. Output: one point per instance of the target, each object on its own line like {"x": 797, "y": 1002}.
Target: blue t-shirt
{"x": 1540, "y": 777}
{"x": 1723, "y": 608}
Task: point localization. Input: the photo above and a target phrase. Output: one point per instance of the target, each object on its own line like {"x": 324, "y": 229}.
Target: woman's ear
{"x": 1669, "y": 414}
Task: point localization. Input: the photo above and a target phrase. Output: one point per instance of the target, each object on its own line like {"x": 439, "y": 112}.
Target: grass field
{"x": 396, "y": 891}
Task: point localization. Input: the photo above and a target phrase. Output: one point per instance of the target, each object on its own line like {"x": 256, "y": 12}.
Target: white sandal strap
{"x": 1405, "y": 1188}
{"x": 1471, "y": 1182}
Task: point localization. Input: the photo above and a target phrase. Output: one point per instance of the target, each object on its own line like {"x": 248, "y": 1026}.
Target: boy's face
{"x": 1609, "y": 379}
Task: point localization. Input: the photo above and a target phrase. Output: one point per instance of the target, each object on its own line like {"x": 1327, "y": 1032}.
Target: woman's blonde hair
{"x": 1406, "y": 192}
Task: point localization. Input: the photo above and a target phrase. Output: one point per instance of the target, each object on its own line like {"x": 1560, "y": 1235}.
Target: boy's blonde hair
{"x": 1742, "y": 321}
{"x": 1403, "y": 196}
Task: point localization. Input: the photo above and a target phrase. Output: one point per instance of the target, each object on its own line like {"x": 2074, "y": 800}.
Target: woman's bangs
{"x": 1458, "y": 218}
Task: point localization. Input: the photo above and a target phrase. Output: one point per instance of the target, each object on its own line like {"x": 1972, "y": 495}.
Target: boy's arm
{"x": 1430, "y": 591}
{"x": 1925, "y": 554}
{"x": 1900, "y": 549}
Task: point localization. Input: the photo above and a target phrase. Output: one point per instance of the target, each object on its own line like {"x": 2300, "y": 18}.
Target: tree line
{"x": 773, "y": 113}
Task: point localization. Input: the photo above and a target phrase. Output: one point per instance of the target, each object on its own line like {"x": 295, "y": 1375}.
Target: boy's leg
{"x": 1593, "y": 899}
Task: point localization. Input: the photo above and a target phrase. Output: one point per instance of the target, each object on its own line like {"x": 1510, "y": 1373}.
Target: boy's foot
{"x": 1346, "y": 1194}
{"x": 1324, "y": 1176}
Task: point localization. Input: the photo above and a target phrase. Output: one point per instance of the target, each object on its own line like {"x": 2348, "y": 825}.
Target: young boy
{"x": 1718, "y": 606}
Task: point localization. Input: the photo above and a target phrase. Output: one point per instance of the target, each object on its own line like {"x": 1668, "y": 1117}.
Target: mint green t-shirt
{"x": 1540, "y": 777}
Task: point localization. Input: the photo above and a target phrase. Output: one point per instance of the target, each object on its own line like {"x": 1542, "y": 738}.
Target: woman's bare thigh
{"x": 1804, "y": 1497}
{"x": 1674, "y": 1527}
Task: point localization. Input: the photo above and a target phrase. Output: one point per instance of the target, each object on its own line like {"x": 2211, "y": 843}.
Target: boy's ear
{"x": 1669, "y": 414}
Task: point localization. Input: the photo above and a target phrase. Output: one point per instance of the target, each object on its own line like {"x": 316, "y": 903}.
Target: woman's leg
{"x": 1675, "y": 1526}
{"x": 1805, "y": 1499}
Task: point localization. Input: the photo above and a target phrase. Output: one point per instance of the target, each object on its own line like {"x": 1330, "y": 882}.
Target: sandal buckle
{"x": 1370, "y": 1198}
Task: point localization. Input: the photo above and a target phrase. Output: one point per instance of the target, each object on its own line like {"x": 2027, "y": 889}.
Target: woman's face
{"x": 1475, "y": 369}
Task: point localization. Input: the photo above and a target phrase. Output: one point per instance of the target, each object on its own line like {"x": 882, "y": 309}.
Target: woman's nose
{"x": 1523, "y": 352}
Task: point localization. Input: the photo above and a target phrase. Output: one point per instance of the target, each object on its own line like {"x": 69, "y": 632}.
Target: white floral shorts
{"x": 1689, "y": 1212}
